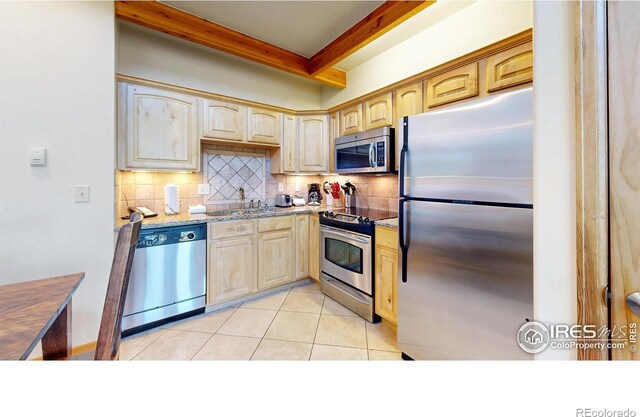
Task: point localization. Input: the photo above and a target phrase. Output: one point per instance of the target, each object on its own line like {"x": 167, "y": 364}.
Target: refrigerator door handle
{"x": 401, "y": 239}
{"x": 403, "y": 153}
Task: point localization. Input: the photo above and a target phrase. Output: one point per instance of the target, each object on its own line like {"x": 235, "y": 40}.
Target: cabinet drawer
{"x": 231, "y": 229}
{"x": 387, "y": 237}
{"x": 275, "y": 223}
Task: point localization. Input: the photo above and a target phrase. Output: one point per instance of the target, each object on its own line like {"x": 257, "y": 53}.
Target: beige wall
{"x": 57, "y": 91}
{"x": 472, "y": 28}
{"x": 155, "y": 56}
{"x": 554, "y": 191}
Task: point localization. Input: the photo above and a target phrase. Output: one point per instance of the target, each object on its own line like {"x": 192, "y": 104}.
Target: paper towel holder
{"x": 171, "y": 199}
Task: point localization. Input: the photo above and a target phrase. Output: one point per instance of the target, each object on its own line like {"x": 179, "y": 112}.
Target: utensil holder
{"x": 348, "y": 200}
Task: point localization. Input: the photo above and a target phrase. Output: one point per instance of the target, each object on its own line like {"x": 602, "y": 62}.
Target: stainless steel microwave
{"x": 365, "y": 152}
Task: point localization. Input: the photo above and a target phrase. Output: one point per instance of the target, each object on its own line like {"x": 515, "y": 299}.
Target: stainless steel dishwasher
{"x": 168, "y": 277}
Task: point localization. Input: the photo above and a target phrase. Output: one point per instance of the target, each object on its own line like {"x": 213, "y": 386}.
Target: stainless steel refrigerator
{"x": 466, "y": 229}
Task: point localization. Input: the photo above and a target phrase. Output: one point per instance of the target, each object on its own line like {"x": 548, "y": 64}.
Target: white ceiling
{"x": 303, "y": 27}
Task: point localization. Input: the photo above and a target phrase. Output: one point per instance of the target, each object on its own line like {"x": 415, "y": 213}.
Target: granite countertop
{"x": 392, "y": 223}
{"x": 163, "y": 220}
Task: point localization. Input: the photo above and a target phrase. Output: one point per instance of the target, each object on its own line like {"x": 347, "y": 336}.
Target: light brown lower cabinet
{"x": 275, "y": 258}
{"x": 247, "y": 256}
{"x": 314, "y": 247}
{"x": 302, "y": 246}
{"x": 231, "y": 264}
{"x": 386, "y": 279}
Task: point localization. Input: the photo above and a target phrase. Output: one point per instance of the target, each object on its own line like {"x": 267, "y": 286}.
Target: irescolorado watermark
{"x": 591, "y": 412}
{"x": 534, "y": 337}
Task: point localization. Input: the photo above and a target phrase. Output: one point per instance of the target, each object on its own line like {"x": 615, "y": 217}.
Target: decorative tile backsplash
{"x": 227, "y": 171}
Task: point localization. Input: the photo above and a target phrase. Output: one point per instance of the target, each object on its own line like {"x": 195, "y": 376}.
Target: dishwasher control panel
{"x": 171, "y": 235}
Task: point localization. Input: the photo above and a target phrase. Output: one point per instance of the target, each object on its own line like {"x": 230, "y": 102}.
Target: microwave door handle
{"x": 372, "y": 155}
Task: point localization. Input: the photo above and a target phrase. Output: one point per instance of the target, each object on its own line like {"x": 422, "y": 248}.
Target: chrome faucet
{"x": 241, "y": 190}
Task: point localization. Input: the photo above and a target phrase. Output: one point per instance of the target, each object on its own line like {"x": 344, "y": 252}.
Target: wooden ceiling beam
{"x": 389, "y": 15}
{"x": 163, "y": 18}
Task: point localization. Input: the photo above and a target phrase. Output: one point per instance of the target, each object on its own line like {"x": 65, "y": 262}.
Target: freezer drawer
{"x": 477, "y": 151}
{"x": 469, "y": 280}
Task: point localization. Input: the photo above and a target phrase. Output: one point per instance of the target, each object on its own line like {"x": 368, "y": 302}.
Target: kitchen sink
{"x": 235, "y": 212}
{"x": 222, "y": 213}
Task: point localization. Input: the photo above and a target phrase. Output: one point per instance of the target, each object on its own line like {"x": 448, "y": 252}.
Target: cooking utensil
{"x": 335, "y": 190}
{"x": 352, "y": 188}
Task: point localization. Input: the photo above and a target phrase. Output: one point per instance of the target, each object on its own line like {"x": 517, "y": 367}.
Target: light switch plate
{"x": 38, "y": 157}
{"x": 280, "y": 187}
{"x": 203, "y": 189}
{"x": 82, "y": 193}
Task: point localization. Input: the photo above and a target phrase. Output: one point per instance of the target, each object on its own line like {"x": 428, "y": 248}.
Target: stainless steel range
{"x": 347, "y": 258}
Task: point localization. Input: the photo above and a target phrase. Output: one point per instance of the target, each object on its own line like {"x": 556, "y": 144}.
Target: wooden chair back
{"x": 111, "y": 324}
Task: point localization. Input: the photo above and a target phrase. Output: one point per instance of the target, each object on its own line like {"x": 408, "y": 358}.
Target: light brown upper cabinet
{"x": 289, "y": 146}
{"x": 334, "y": 132}
{"x": 223, "y": 120}
{"x": 264, "y": 126}
{"x": 378, "y": 112}
{"x": 313, "y": 143}
{"x": 453, "y": 85}
{"x": 157, "y": 129}
{"x": 351, "y": 119}
{"x": 509, "y": 68}
{"x": 408, "y": 101}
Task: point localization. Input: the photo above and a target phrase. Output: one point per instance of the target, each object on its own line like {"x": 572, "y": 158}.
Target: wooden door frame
{"x": 592, "y": 168}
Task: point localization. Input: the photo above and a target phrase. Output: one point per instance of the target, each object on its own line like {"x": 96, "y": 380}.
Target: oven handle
{"x": 345, "y": 234}
{"x": 372, "y": 155}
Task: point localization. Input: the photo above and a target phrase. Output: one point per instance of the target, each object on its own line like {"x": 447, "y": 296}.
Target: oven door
{"x": 346, "y": 256}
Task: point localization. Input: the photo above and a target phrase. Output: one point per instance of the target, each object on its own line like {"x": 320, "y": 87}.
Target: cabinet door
{"x": 334, "y": 132}
{"x": 408, "y": 101}
{"x": 264, "y": 126}
{"x": 454, "y": 85}
{"x": 313, "y": 140}
{"x": 302, "y": 246}
{"x": 378, "y": 112}
{"x": 314, "y": 247}
{"x": 509, "y": 68}
{"x": 351, "y": 119}
{"x": 231, "y": 270}
{"x": 386, "y": 283}
{"x": 288, "y": 148}
{"x": 275, "y": 258}
{"x": 222, "y": 120}
{"x": 157, "y": 129}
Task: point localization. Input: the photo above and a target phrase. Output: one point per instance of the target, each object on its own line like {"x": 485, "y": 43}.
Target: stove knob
{"x": 367, "y": 220}
{"x": 360, "y": 219}
{"x": 332, "y": 214}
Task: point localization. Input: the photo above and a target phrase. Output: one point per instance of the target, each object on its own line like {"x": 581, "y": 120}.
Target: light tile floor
{"x": 296, "y": 324}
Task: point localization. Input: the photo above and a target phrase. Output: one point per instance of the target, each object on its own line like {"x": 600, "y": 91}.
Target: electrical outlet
{"x": 203, "y": 189}
{"x": 297, "y": 187}
{"x": 82, "y": 193}
{"x": 280, "y": 187}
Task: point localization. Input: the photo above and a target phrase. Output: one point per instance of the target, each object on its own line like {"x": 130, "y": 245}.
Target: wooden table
{"x": 37, "y": 310}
